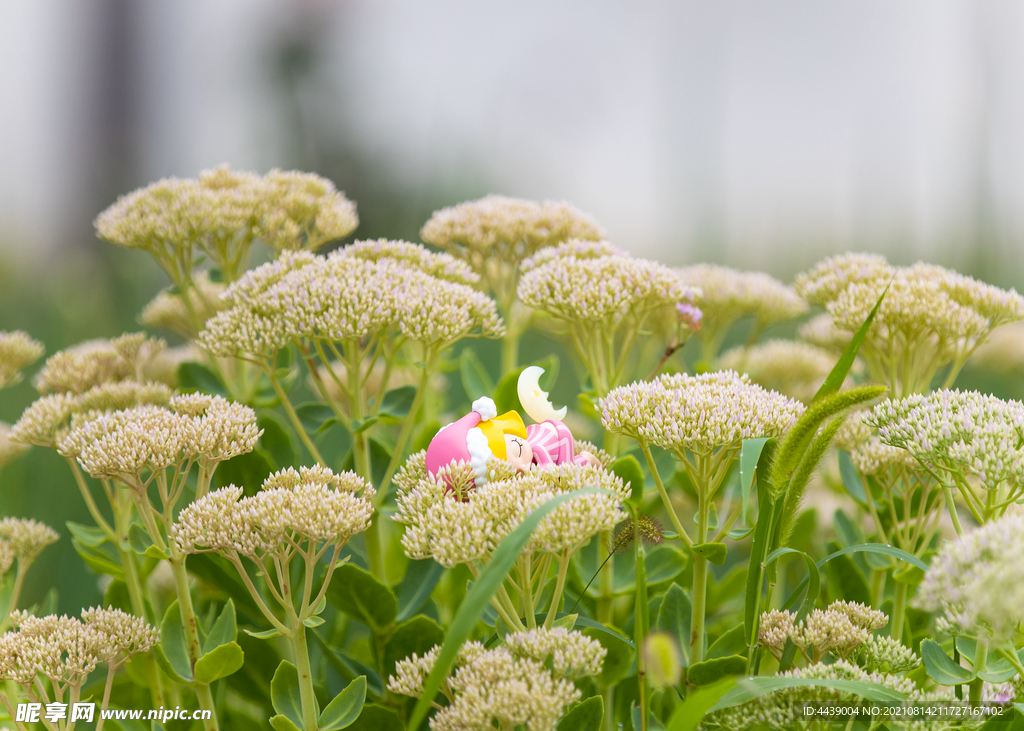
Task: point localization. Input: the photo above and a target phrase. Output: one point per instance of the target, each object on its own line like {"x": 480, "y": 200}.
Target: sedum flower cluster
{"x": 17, "y": 350}
{"x": 728, "y": 295}
{"x": 599, "y": 290}
{"x": 65, "y": 650}
{"x": 976, "y": 584}
{"x": 792, "y": 368}
{"x": 785, "y": 709}
{"x": 964, "y": 438}
{"x": 697, "y": 414}
{"x": 9, "y": 449}
{"x": 524, "y": 684}
{"x": 46, "y": 419}
{"x": 495, "y": 233}
{"x": 170, "y": 310}
{"x": 130, "y": 357}
{"x": 450, "y": 520}
{"x": 145, "y": 440}
{"x": 839, "y": 630}
{"x": 930, "y": 317}
{"x": 311, "y": 505}
{"x": 26, "y": 538}
{"x": 345, "y": 296}
{"x": 220, "y": 214}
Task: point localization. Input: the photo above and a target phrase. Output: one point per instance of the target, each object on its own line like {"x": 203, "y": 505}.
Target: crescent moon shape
{"x": 535, "y": 402}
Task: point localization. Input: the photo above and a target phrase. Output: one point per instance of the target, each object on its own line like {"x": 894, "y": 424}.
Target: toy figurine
{"x": 482, "y": 434}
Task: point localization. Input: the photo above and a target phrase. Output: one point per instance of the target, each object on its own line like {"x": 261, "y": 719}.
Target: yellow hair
{"x": 495, "y": 430}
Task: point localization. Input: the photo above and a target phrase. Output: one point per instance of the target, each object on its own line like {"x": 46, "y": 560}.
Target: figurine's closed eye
{"x": 516, "y": 441}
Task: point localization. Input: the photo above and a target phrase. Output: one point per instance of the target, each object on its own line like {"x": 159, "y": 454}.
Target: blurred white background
{"x": 759, "y": 134}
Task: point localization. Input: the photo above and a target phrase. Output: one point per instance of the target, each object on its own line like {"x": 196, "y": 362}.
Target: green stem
{"x": 899, "y": 609}
{"x": 699, "y": 597}
{"x": 294, "y": 417}
{"x": 605, "y": 582}
{"x": 563, "y": 570}
{"x": 310, "y": 718}
{"x": 977, "y": 685}
{"x": 405, "y": 433}
{"x": 683, "y": 536}
{"x": 948, "y": 492}
{"x": 640, "y": 620}
{"x": 188, "y": 620}
{"x": 510, "y": 351}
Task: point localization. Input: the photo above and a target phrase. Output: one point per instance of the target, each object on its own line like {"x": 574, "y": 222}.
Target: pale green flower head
{"x": 506, "y": 228}
{"x": 963, "y": 432}
{"x": 449, "y": 519}
{"x": 303, "y": 211}
{"x": 573, "y": 655}
{"x": 728, "y": 295}
{"x": 602, "y": 289}
{"x": 976, "y": 584}
{"x": 932, "y": 315}
{"x": 794, "y": 369}
{"x": 312, "y": 504}
{"x": 46, "y": 419}
{"x": 27, "y": 537}
{"x": 489, "y": 689}
{"x": 343, "y": 297}
{"x": 168, "y": 310}
{"x": 440, "y": 265}
{"x": 17, "y": 350}
{"x": 698, "y": 414}
{"x": 75, "y": 370}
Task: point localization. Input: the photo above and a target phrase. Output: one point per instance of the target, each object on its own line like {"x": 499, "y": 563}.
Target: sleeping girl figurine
{"x": 482, "y": 434}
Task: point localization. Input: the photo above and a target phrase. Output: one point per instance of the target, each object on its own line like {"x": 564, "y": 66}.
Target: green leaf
{"x": 711, "y": 671}
{"x": 940, "y": 667}
{"x": 87, "y": 535}
{"x": 139, "y": 539}
{"x": 377, "y": 718}
{"x": 220, "y": 662}
{"x": 506, "y": 393}
{"x": 99, "y": 560}
{"x": 313, "y": 621}
{"x": 265, "y": 635}
{"x": 421, "y": 576}
{"x": 418, "y": 635}
{"x": 346, "y": 706}
{"x": 281, "y": 723}
{"x": 314, "y": 416}
{"x": 358, "y": 594}
{"x": 224, "y": 630}
{"x": 750, "y": 688}
{"x": 851, "y": 478}
{"x": 276, "y": 441}
{"x": 197, "y": 377}
{"x": 479, "y": 597}
{"x": 763, "y": 536}
{"x": 813, "y": 574}
{"x": 475, "y": 381}
{"x": 674, "y": 618}
{"x": 154, "y": 552}
{"x": 350, "y": 668}
{"x": 846, "y": 580}
{"x": 732, "y": 642}
{"x": 397, "y": 402}
{"x": 875, "y": 548}
{"x": 361, "y": 425}
{"x": 172, "y": 642}
{"x": 247, "y": 471}
{"x": 698, "y": 702}
{"x": 628, "y": 468}
{"x": 584, "y": 716}
{"x": 284, "y": 692}
{"x": 713, "y": 552}
{"x": 750, "y": 455}
{"x": 842, "y": 369}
